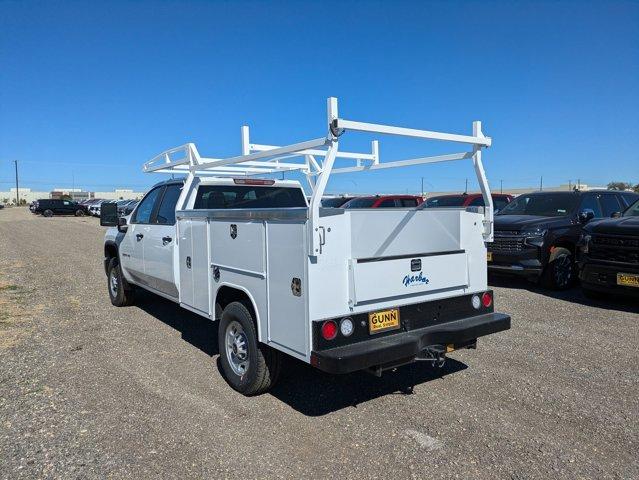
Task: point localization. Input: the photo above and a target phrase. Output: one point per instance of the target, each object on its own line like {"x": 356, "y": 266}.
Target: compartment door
{"x": 380, "y": 278}
{"x": 186, "y": 255}
{"x": 194, "y": 263}
{"x": 287, "y": 322}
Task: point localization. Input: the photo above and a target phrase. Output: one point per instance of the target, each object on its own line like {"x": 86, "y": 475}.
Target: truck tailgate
{"x": 378, "y": 278}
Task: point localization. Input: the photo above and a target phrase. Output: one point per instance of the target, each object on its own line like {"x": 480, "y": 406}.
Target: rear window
{"x": 409, "y": 202}
{"x": 360, "y": 203}
{"x": 453, "y": 201}
{"x": 247, "y": 196}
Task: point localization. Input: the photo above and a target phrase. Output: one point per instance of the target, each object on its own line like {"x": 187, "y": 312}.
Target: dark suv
{"x": 50, "y": 207}
{"x": 536, "y": 235}
{"x": 609, "y": 255}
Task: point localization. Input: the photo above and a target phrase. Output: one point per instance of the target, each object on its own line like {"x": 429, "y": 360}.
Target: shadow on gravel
{"x": 314, "y": 393}
{"x": 575, "y": 295}
{"x": 302, "y": 387}
{"x": 195, "y": 329}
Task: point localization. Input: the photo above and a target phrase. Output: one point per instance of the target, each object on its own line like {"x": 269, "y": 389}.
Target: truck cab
{"x": 341, "y": 289}
{"x": 536, "y": 234}
{"x": 609, "y": 255}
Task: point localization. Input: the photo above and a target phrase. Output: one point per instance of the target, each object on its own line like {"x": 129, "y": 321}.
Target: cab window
{"x": 145, "y": 209}
{"x": 166, "y": 212}
{"x": 591, "y": 202}
{"x": 610, "y": 204}
{"x": 409, "y": 202}
{"x": 388, "y": 203}
{"x": 244, "y": 196}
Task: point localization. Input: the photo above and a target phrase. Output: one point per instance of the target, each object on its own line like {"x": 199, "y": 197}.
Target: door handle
{"x": 139, "y": 236}
{"x": 166, "y": 240}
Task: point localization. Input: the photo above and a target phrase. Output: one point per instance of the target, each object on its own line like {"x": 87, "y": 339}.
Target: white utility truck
{"x": 343, "y": 290}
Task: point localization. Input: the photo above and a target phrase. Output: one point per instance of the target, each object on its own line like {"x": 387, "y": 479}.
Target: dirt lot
{"x": 89, "y": 390}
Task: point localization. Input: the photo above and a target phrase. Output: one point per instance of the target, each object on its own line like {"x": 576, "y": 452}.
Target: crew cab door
{"x": 132, "y": 246}
{"x": 67, "y": 207}
{"x": 159, "y": 242}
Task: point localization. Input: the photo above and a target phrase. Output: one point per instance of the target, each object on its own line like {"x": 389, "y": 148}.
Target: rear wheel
{"x": 120, "y": 292}
{"x": 250, "y": 367}
{"x": 47, "y": 213}
{"x": 79, "y": 213}
{"x": 560, "y": 272}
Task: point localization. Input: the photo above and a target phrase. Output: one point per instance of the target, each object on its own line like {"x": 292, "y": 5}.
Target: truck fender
{"x": 251, "y": 299}
{"x": 110, "y": 251}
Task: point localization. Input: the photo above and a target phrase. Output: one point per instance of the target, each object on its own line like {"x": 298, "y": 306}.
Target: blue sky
{"x": 91, "y": 90}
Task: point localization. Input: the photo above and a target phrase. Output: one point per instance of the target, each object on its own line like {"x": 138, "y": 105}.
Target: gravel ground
{"x": 88, "y": 390}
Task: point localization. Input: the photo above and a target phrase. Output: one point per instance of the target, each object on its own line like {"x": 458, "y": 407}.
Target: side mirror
{"x": 586, "y": 215}
{"x": 615, "y": 215}
{"x": 109, "y": 215}
{"x": 122, "y": 226}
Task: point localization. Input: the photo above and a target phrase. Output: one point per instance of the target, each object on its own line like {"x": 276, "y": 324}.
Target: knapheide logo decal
{"x": 414, "y": 280}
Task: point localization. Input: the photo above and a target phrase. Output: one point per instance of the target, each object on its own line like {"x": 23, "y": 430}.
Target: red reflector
{"x": 487, "y": 299}
{"x": 329, "y": 330}
{"x": 252, "y": 181}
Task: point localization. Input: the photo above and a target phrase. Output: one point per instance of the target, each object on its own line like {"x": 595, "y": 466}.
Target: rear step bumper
{"x": 407, "y": 345}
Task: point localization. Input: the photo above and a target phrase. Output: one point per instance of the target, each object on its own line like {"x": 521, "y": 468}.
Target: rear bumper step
{"x": 407, "y": 345}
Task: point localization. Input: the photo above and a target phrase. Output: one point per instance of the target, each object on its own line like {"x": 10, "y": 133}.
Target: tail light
{"x": 329, "y": 330}
{"x": 487, "y": 299}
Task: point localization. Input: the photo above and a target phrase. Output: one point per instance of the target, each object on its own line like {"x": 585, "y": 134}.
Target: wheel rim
{"x": 113, "y": 283}
{"x": 563, "y": 270}
{"x": 236, "y": 344}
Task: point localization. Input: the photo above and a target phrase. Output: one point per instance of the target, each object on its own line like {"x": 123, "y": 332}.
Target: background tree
{"x": 619, "y": 186}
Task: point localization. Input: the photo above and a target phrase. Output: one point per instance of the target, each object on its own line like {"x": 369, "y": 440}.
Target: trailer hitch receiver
{"x": 436, "y": 354}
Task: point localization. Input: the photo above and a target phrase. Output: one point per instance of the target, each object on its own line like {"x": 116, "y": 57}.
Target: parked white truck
{"x": 343, "y": 290}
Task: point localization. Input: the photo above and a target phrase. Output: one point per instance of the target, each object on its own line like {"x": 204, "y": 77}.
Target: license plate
{"x": 628, "y": 279}
{"x": 383, "y": 321}
{"x": 489, "y": 256}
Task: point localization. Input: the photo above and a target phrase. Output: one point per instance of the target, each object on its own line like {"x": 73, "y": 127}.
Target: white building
{"x": 26, "y": 194}
{"x": 119, "y": 194}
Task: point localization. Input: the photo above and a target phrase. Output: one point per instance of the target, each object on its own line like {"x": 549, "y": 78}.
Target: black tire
{"x": 120, "y": 292}
{"x": 560, "y": 273}
{"x": 47, "y": 213}
{"x": 262, "y": 364}
{"x": 79, "y": 213}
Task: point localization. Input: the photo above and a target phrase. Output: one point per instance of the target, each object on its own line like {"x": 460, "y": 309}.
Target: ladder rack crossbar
{"x": 316, "y": 159}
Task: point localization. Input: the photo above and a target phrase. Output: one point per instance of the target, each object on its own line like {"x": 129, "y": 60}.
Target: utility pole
{"x": 72, "y": 186}
{"x": 501, "y": 186}
{"x": 466, "y": 189}
{"x": 541, "y": 183}
{"x": 422, "y": 186}
{"x": 569, "y": 185}
{"x": 17, "y": 188}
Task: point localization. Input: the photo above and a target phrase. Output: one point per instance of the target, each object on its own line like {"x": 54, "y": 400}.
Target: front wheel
{"x": 250, "y": 367}
{"x": 560, "y": 272}
{"x": 79, "y": 213}
{"x": 120, "y": 292}
{"x": 47, "y": 213}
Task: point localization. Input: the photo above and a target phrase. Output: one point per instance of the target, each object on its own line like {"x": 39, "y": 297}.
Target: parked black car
{"x": 609, "y": 255}
{"x": 130, "y": 207}
{"x": 536, "y": 235}
{"x": 50, "y": 207}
